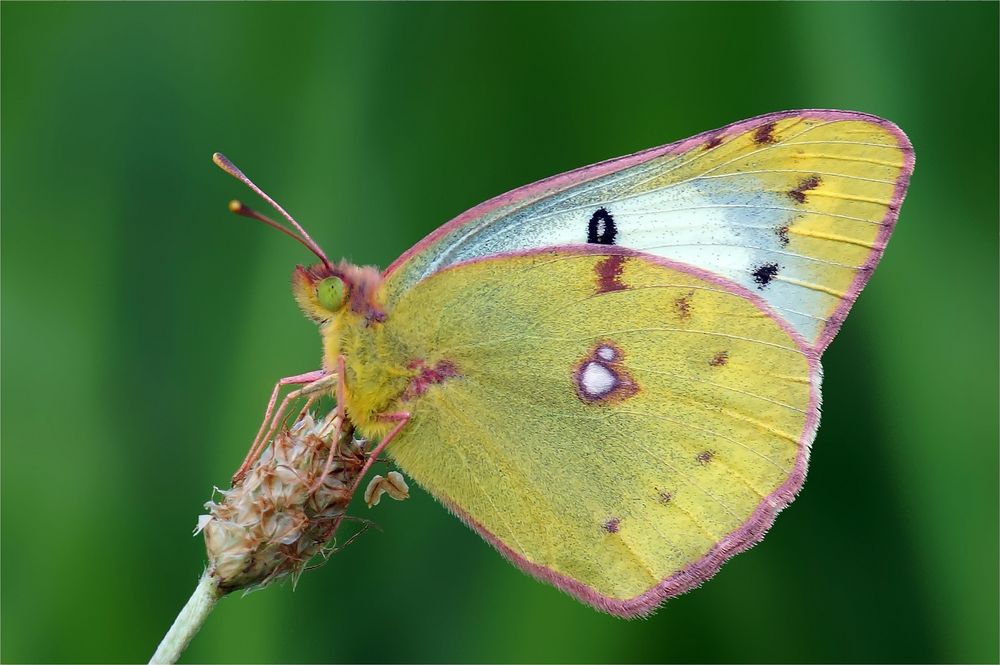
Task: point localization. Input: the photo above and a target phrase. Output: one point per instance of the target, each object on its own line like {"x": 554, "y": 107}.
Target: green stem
{"x": 189, "y": 621}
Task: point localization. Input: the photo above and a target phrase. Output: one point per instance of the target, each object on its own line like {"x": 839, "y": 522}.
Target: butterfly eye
{"x": 330, "y": 293}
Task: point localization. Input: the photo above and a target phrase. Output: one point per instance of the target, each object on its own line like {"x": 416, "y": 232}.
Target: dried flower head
{"x": 285, "y": 510}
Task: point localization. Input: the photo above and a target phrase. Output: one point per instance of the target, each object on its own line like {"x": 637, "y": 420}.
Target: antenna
{"x": 235, "y": 206}
{"x": 241, "y": 209}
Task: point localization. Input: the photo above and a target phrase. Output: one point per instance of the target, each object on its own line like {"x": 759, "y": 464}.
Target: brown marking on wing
{"x": 720, "y": 359}
{"x": 427, "y": 377}
{"x": 799, "y": 193}
{"x": 683, "y": 305}
{"x": 764, "y": 134}
{"x": 609, "y": 274}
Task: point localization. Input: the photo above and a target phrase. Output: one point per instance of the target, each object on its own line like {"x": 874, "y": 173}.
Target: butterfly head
{"x": 324, "y": 290}
{"x": 327, "y": 291}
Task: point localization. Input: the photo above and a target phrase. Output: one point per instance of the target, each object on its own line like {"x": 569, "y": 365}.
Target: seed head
{"x": 284, "y": 511}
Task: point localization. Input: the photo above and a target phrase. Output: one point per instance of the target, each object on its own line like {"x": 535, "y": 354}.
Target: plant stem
{"x": 189, "y": 621}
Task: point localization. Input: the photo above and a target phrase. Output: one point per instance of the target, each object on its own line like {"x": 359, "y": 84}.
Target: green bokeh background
{"x": 143, "y": 326}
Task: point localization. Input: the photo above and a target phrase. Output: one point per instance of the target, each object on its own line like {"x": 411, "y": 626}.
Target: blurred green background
{"x": 143, "y": 325}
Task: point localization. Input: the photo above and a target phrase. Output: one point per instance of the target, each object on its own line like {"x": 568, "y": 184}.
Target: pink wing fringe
{"x": 753, "y": 530}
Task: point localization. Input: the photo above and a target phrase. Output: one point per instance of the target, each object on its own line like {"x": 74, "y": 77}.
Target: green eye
{"x": 330, "y": 293}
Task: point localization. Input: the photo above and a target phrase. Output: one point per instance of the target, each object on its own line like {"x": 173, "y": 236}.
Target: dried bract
{"x": 394, "y": 485}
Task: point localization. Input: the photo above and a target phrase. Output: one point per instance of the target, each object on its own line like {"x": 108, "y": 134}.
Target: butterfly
{"x": 613, "y": 375}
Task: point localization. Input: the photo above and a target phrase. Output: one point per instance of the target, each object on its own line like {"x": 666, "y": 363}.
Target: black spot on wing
{"x": 763, "y": 274}
{"x": 601, "y": 229}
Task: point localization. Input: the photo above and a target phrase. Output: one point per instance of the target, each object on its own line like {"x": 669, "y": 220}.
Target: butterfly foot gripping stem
{"x": 314, "y": 383}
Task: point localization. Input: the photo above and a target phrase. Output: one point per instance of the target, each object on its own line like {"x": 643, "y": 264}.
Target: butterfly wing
{"x": 795, "y": 206}
{"x": 613, "y": 422}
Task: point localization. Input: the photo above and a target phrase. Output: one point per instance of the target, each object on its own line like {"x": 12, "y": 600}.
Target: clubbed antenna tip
{"x": 223, "y": 163}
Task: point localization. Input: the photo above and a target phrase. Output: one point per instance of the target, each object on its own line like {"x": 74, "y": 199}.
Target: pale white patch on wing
{"x": 606, "y": 353}
{"x": 729, "y": 229}
{"x": 596, "y": 380}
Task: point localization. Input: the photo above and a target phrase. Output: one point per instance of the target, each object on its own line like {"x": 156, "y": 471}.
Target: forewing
{"x": 795, "y": 206}
{"x": 614, "y": 423}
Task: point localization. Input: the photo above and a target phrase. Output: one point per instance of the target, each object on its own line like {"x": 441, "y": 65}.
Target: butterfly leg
{"x": 314, "y": 382}
{"x": 340, "y": 393}
{"x": 341, "y": 390}
{"x": 401, "y": 420}
{"x": 298, "y": 379}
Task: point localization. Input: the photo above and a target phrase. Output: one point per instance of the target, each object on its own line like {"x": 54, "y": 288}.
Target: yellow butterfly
{"x": 613, "y": 375}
